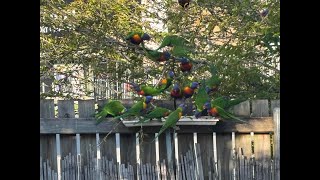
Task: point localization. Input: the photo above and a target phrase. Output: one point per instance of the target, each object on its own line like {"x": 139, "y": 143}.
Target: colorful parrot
{"x": 156, "y": 113}
{"x": 157, "y": 56}
{"x": 172, "y": 119}
{"x": 185, "y": 64}
{"x": 184, "y": 3}
{"x": 214, "y": 81}
{"x": 173, "y": 41}
{"x": 112, "y": 108}
{"x": 137, "y": 37}
{"x": 165, "y": 83}
{"x": 217, "y": 111}
{"x": 145, "y": 90}
{"x": 188, "y": 91}
{"x": 225, "y": 102}
{"x": 200, "y": 99}
{"x": 137, "y": 109}
{"x": 176, "y": 92}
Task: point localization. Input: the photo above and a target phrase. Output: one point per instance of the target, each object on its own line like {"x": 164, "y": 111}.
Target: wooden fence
{"x": 69, "y": 145}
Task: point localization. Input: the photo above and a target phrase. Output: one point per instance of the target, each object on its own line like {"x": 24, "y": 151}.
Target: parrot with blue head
{"x": 157, "y": 56}
{"x": 172, "y": 119}
{"x": 217, "y": 111}
{"x": 166, "y": 82}
{"x": 112, "y": 108}
{"x": 137, "y": 37}
{"x": 185, "y": 64}
{"x": 176, "y": 92}
{"x": 145, "y": 90}
{"x": 214, "y": 81}
{"x": 156, "y": 113}
{"x": 200, "y": 99}
{"x": 137, "y": 109}
{"x": 188, "y": 91}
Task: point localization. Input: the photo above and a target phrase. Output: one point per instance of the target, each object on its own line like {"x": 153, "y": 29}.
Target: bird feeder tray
{"x": 184, "y": 121}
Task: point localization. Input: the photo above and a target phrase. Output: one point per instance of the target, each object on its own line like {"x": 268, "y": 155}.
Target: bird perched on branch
{"x": 166, "y": 82}
{"x": 157, "y": 56}
{"x": 176, "y": 92}
{"x": 214, "y": 81}
{"x": 185, "y": 64}
{"x": 145, "y": 90}
{"x": 200, "y": 99}
{"x": 137, "y": 37}
{"x": 188, "y": 91}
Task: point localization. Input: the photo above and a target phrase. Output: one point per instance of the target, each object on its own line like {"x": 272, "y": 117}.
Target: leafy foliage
{"x": 244, "y": 46}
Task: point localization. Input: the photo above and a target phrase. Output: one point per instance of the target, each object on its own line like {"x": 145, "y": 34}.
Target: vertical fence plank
{"x": 276, "y": 118}
{"x": 138, "y": 160}
{"x": 58, "y": 156}
{"x": 86, "y": 108}
{"x": 215, "y": 154}
{"x": 98, "y": 165}
{"x": 169, "y": 153}
{"x": 176, "y": 155}
{"x": 46, "y": 108}
{"x": 274, "y": 104}
{"x": 118, "y": 151}
{"x": 157, "y": 155}
{"x": 242, "y": 109}
{"x": 78, "y": 156}
{"x": 260, "y": 108}
{"x": 66, "y": 109}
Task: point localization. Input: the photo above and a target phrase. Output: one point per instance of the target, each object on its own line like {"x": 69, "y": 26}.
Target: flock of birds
{"x": 204, "y": 93}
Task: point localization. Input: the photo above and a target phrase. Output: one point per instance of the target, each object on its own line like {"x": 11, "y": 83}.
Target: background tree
{"x": 242, "y": 38}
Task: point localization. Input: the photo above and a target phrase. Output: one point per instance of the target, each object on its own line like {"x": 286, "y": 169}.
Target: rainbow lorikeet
{"x": 176, "y": 92}
{"x": 137, "y": 109}
{"x": 137, "y": 37}
{"x": 214, "y": 81}
{"x": 165, "y": 83}
{"x": 156, "y": 113}
{"x": 145, "y": 90}
{"x": 157, "y": 56}
{"x": 185, "y": 64}
{"x": 188, "y": 91}
{"x": 172, "y": 119}
{"x": 200, "y": 99}
{"x": 112, "y": 108}
{"x": 215, "y": 110}
{"x": 184, "y": 3}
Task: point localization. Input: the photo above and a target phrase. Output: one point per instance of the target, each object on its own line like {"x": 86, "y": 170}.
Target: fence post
{"x": 276, "y": 118}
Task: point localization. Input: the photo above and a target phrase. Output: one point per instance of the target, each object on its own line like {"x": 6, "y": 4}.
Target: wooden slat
{"x": 41, "y": 169}
{"x": 260, "y": 108}
{"x": 156, "y": 142}
{"x": 86, "y": 108}
{"x": 98, "y": 165}
{"x": 276, "y": 117}
{"x": 199, "y": 157}
{"x": 176, "y": 155}
{"x": 215, "y": 154}
{"x": 138, "y": 159}
{"x": 118, "y": 150}
{"x": 88, "y": 126}
{"x": 47, "y": 108}
{"x": 195, "y": 141}
{"x": 58, "y": 156}
{"x": 169, "y": 149}
{"x": 66, "y": 109}
{"x": 274, "y": 104}
{"x": 242, "y": 109}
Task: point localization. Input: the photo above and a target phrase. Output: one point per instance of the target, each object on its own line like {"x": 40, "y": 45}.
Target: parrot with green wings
{"x": 112, "y": 108}
{"x": 166, "y": 82}
{"x": 188, "y": 91}
{"x": 214, "y": 81}
{"x": 215, "y": 110}
{"x": 185, "y": 64}
{"x": 157, "y": 56}
{"x": 200, "y": 99}
{"x": 156, "y": 113}
{"x": 172, "y": 119}
{"x": 137, "y": 109}
{"x": 145, "y": 90}
{"x": 176, "y": 92}
{"x": 136, "y": 37}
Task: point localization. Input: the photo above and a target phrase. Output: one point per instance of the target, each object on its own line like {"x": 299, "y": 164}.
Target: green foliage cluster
{"x": 233, "y": 35}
